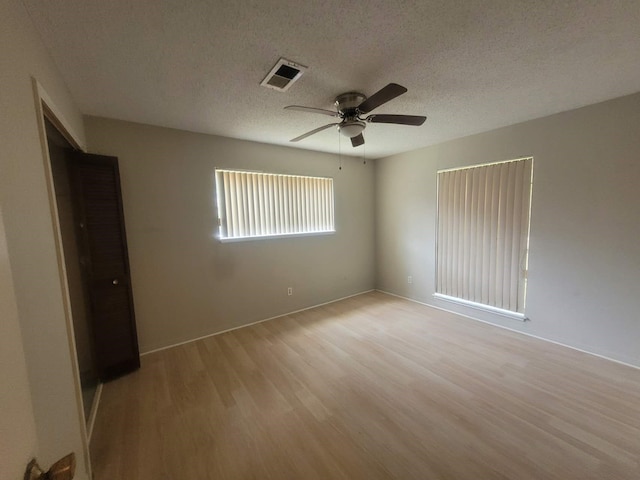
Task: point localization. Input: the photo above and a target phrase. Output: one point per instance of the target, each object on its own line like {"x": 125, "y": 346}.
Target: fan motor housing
{"x": 347, "y": 103}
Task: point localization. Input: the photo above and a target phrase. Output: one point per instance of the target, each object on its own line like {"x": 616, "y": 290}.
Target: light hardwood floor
{"x": 372, "y": 387}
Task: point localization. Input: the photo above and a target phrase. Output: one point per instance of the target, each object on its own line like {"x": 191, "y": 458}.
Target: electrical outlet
{"x": 289, "y": 291}
{"x": 409, "y": 279}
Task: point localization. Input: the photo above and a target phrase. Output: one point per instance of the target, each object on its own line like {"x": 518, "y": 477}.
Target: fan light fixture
{"x": 351, "y": 129}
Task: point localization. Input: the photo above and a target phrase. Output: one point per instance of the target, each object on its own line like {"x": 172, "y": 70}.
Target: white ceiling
{"x": 469, "y": 65}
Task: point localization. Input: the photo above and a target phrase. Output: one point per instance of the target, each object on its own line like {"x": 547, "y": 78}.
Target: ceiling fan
{"x": 351, "y": 107}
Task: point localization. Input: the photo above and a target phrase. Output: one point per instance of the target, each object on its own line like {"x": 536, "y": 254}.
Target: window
{"x": 483, "y": 235}
{"x": 253, "y": 204}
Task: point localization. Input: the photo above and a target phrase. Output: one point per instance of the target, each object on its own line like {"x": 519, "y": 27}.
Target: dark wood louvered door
{"x": 104, "y": 257}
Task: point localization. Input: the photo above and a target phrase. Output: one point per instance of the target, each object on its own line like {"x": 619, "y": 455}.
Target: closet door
{"x": 105, "y": 262}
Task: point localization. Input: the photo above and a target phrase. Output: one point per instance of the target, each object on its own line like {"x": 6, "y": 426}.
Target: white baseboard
{"x": 637, "y": 367}
{"x": 252, "y": 323}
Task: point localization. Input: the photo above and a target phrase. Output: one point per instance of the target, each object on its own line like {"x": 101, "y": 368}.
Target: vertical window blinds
{"x": 483, "y": 233}
{"x": 253, "y": 204}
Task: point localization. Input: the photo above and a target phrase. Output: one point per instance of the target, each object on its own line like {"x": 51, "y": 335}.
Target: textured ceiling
{"x": 469, "y": 65}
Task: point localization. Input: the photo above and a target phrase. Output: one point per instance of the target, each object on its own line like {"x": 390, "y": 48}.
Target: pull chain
{"x": 339, "y": 150}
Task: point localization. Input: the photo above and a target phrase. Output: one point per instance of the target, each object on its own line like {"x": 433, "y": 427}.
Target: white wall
{"x": 30, "y": 240}
{"x": 18, "y": 442}
{"x": 186, "y": 283}
{"x": 585, "y": 228}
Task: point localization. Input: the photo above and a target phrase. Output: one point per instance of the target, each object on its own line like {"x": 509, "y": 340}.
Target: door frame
{"x": 45, "y": 107}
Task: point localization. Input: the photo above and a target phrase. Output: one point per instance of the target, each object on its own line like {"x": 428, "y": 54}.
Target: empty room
{"x": 319, "y": 240}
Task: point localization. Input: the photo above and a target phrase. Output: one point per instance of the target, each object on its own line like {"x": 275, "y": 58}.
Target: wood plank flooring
{"x": 372, "y": 387}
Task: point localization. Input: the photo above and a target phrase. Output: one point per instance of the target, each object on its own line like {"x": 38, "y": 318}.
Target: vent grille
{"x": 283, "y": 75}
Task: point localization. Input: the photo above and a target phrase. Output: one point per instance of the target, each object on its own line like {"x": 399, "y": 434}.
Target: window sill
{"x": 282, "y": 235}
{"x": 479, "y": 306}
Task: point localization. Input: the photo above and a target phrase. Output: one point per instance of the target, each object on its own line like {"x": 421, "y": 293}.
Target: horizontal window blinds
{"x": 252, "y": 204}
{"x": 483, "y": 232}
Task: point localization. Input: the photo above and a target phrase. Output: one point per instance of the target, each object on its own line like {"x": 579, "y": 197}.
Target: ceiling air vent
{"x": 283, "y": 75}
